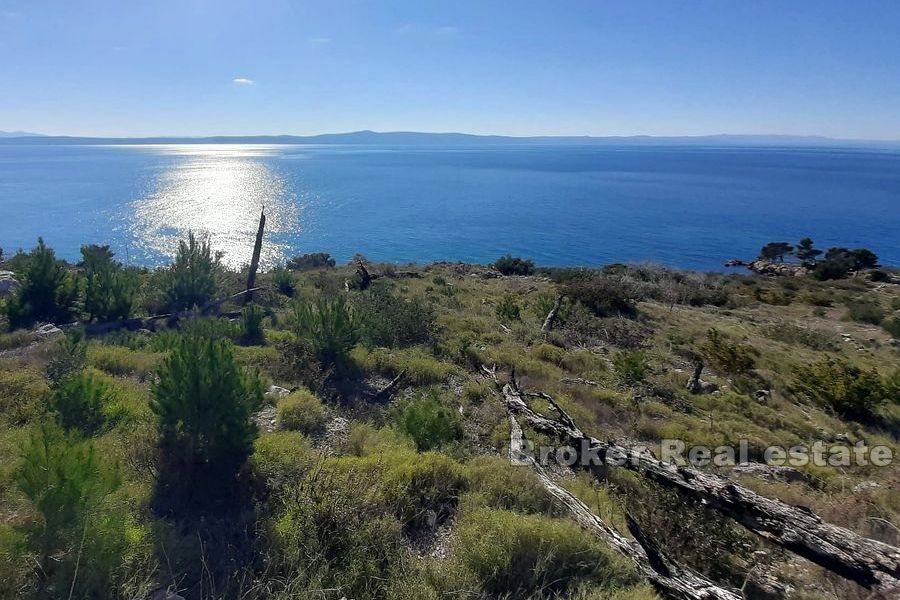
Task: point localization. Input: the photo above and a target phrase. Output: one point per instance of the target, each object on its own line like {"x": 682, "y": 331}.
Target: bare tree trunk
{"x": 870, "y": 563}
{"x": 670, "y": 578}
{"x": 550, "y": 321}
{"x": 694, "y": 385}
{"x": 254, "y": 262}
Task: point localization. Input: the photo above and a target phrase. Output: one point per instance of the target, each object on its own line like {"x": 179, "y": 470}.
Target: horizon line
{"x": 19, "y": 135}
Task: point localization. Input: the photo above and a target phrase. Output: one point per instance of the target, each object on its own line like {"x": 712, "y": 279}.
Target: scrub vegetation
{"x": 329, "y": 441}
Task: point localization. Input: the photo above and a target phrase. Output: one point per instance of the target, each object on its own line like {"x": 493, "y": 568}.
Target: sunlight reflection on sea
{"x": 217, "y": 192}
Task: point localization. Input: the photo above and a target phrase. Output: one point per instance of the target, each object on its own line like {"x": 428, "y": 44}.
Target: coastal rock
{"x": 8, "y": 284}
{"x": 777, "y": 269}
{"x": 48, "y": 330}
{"x": 275, "y": 392}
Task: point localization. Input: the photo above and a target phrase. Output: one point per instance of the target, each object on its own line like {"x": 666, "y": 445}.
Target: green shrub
{"x": 508, "y": 309}
{"x": 65, "y": 481}
{"x": 502, "y": 485}
{"x": 284, "y": 282}
{"x": 47, "y": 291}
{"x": 863, "y": 311}
{"x": 80, "y": 403}
{"x": 66, "y": 356}
{"x": 252, "y": 317}
{"x": 301, "y": 411}
{"x": 631, "y": 366}
{"x": 892, "y": 326}
{"x": 309, "y": 262}
{"x": 429, "y": 423}
{"x": 513, "y": 265}
{"x": 109, "y": 289}
{"x": 203, "y": 403}
{"x": 603, "y": 295}
{"x": 282, "y": 458}
{"x": 296, "y": 362}
{"x": 726, "y": 356}
{"x": 328, "y": 325}
{"x": 520, "y": 556}
{"x": 118, "y": 360}
{"x": 391, "y": 321}
{"x": 848, "y": 390}
{"x": 23, "y": 395}
{"x": 191, "y": 281}
{"x": 16, "y": 339}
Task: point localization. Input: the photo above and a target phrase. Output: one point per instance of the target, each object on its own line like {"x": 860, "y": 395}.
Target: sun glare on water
{"x": 217, "y": 192}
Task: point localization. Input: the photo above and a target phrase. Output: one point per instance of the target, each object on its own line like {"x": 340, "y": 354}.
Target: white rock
{"x": 8, "y": 284}
{"x": 275, "y": 392}
{"x": 48, "y": 330}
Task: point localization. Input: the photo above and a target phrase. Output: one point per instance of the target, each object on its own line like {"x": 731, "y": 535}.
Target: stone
{"x": 275, "y": 392}
{"x": 48, "y": 330}
{"x": 762, "y": 396}
{"x": 8, "y": 284}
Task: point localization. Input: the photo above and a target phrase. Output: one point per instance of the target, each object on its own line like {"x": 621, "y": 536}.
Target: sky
{"x": 522, "y": 67}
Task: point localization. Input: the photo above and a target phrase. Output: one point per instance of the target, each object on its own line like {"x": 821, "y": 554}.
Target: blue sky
{"x": 601, "y": 67}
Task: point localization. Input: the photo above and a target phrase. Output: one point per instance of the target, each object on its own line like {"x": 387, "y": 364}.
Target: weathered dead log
{"x": 550, "y": 321}
{"x": 670, "y": 578}
{"x": 870, "y": 563}
{"x": 581, "y": 381}
{"x": 92, "y": 329}
{"x": 254, "y": 262}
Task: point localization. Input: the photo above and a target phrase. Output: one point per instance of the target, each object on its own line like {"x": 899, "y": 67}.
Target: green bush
{"x": 282, "y": 458}
{"x": 328, "y": 325}
{"x": 47, "y": 291}
{"x": 892, "y": 326}
{"x": 301, "y": 411}
{"x": 726, "y": 356}
{"x": 848, "y": 390}
{"x": 863, "y": 311}
{"x": 391, "y": 321}
{"x": 508, "y": 309}
{"x": 118, "y": 360}
{"x": 513, "y": 265}
{"x": 192, "y": 280}
{"x": 80, "y": 403}
{"x": 66, "y": 356}
{"x": 520, "y": 556}
{"x": 284, "y": 282}
{"x": 429, "y": 423}
{"x": 252, "y": 317}
{"x": 502, "y": 485}
{"x": 309, "y": 262}
{"x": 23, "y": 395}
{"x": 603, "y": 295}
{"x": 109, "y": 289}
{"x": 297, "y": 362}
{"x": 203, "y": 403}
{"x": 631, "y": 366}
{"x": 65, "y": 481}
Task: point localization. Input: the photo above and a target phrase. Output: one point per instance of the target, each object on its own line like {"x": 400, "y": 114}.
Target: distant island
{"x": 413, "y": 138}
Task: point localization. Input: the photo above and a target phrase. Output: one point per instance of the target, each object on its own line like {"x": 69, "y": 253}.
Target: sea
{"x": 690, "y": 207}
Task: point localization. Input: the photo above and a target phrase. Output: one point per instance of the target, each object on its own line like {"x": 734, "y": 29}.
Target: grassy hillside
{"x": 376, "y": 467}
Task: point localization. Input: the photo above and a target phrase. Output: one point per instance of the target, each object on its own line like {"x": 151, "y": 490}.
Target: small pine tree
{"x": 80, "y": 401}
{"x": 203, "y": 402}
{"x": 192, "y": 278}
{"x": 47, "y": 292}
{"x": 65, "y": 481}
{"x": 776, "y": 251}
{"x": 109, "y": 290}
{"x": 328, "y": 325}
{"x": 806, "y": 252}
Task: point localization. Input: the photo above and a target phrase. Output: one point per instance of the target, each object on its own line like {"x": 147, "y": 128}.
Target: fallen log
{"x": 669, "y": 578}
{"x": 872, "y": 564}
{"x": 391, "y": 387}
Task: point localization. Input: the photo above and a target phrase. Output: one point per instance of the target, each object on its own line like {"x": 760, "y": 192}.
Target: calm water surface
{"x": 560, "y": 205}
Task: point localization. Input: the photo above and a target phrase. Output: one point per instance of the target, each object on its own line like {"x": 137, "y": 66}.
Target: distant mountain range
{"x": 412, "y": 138}
{"x": 18, "y": 134}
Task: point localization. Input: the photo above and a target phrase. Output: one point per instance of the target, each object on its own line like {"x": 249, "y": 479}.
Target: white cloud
{"x": 318, "y": 41}
{"x": 242, "y": 81}
{"x": 446, "y": 30}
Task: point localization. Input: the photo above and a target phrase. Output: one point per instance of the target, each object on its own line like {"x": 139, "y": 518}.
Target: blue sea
{"x": 688, "y": 207}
